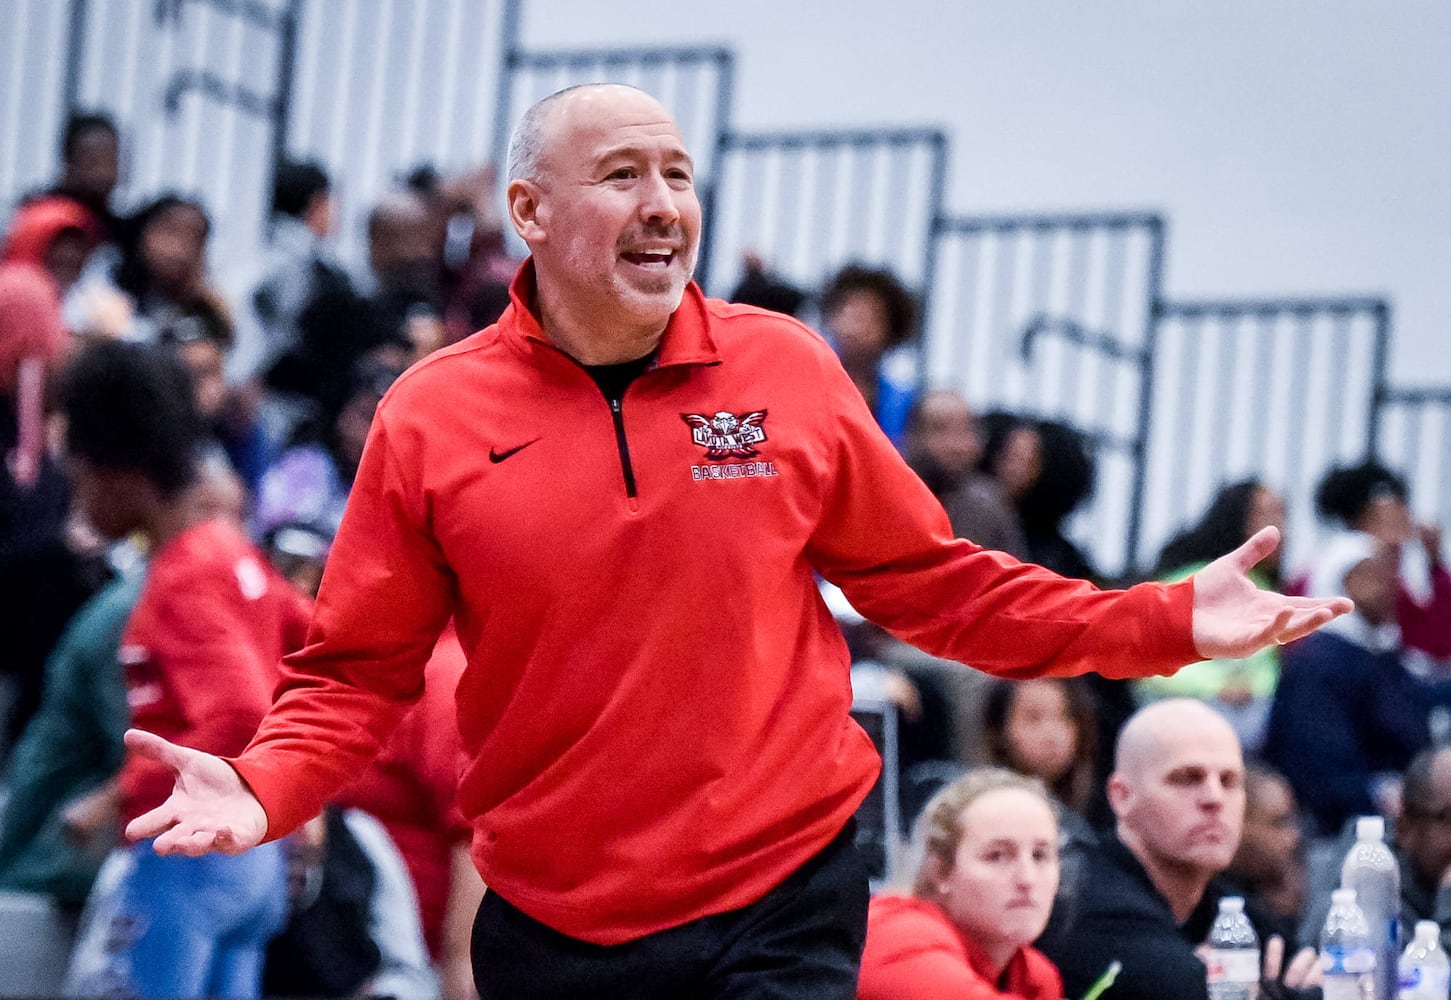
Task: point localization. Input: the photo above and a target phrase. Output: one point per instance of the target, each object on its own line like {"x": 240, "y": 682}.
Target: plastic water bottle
{"x": 1234, "y": 954}
{"x": 1370, "y": 869}
{"x": 1425, "y": 969}
{"x": 1347, "y": 955}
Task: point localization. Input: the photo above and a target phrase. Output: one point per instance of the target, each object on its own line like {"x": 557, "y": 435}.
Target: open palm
{"x": 1233, "y": 618}
{"x": 210, "y": 809}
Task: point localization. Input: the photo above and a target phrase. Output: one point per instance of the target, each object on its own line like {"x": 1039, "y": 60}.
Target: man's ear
{"x": 524, "y": 201}
{"x": 1119, "y": 793}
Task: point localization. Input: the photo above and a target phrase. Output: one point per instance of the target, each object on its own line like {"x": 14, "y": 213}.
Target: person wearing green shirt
{"x": 1239, "y": 689}
{"x": 60, "y": 821}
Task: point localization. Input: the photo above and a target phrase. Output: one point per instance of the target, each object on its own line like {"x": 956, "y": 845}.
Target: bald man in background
{"x": 1148, "y": 890}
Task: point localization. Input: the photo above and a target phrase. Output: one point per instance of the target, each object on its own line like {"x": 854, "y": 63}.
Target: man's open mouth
{"x": 650, "y": 258}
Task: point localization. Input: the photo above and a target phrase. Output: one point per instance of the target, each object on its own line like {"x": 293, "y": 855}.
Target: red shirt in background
{"x": 201, "y": 649}
{"x": 914, "y": 952}
{"x": 412, "y": 787}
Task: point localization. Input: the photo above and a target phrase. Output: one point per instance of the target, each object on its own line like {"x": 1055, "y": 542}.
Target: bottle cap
{"x": 1370, "y": 828}
{"x": 1428, "y": 931}
{"x": 1341, "y": 897}
{"x": 1231, "y": 904}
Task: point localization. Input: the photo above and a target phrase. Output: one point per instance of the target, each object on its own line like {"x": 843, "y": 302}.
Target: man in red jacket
{"x": 622, "y": 492}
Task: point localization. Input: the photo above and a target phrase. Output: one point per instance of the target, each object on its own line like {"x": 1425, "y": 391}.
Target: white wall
{"x": 1297, "y": 146}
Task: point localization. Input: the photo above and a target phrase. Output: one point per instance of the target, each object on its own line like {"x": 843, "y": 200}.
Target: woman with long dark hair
{"x": 1241, "y": 690}
{"x": 1044, "y": 728}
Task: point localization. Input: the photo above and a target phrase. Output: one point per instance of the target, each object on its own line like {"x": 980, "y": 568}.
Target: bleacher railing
{"x": 810, "y": 201}
{"x": 1279, "y": 390}
{"x": 1414, "y": 437}
{"x": 209, "y": 93}
{"x": 1052, "y": 315}
{"x": 1058, "y": 315}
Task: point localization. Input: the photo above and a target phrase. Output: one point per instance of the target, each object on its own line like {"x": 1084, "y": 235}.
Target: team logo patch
{"x": 727, "y": 435}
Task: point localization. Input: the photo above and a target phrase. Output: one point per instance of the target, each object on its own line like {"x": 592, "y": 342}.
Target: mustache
{"x": 653, "y": 236}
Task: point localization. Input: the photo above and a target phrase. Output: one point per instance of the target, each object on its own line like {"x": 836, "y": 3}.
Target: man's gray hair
{"x": 526, "y": 143}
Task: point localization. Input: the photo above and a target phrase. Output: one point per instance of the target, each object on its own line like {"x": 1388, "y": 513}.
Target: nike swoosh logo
{"x": 496, "y": 456}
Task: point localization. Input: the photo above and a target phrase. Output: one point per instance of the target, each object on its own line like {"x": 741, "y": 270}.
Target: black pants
{"x": 802, "y": 940}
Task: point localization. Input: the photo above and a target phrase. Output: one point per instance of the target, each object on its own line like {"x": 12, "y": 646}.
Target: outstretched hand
{"x": 1233, "y": 618}
{"x": 210, "y": 808}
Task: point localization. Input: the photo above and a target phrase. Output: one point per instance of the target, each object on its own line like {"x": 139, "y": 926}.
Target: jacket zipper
{"x": 624, "y": 446}
{"x": 618, "y": 417}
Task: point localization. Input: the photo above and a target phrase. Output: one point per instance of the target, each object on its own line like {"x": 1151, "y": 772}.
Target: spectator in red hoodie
{"x": 44, "y": 575}
{"x": 43, "y": 255}
{"x": 982, "y": 893}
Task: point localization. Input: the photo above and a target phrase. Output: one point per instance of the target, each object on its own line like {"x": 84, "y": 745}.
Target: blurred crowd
{"x": 235, "y": 407}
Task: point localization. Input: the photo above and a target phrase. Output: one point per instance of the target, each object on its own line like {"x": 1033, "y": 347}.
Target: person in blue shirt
{"x": 870, "y": 317}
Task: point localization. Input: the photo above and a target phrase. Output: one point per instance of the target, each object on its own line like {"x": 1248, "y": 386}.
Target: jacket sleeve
{"x": 385, "y": 596}
{"x": 442, "y": 751}
{"x": 886, "y": 542}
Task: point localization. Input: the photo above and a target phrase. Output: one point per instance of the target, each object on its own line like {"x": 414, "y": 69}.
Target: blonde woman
{"x": 982, "y": 891}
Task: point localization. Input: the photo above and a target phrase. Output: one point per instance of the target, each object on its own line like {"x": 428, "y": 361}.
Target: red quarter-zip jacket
{"x": 656, "y": 702}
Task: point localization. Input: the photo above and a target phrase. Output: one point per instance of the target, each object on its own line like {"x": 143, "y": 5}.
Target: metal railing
{"x": 1414, "y": 438}
{"x": 1279, "y": 390}
{"x": 1052, "y": 315}
{"x": 386, "y": 86}
{"x": 1062, "y": 316}
{"x": 209, "y": 94}
{"x": 809, "y": 201}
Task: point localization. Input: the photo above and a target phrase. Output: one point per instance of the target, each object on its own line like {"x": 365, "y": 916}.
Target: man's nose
{"x": 1213, "y": 794}
{"x": 657, "y": 200}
